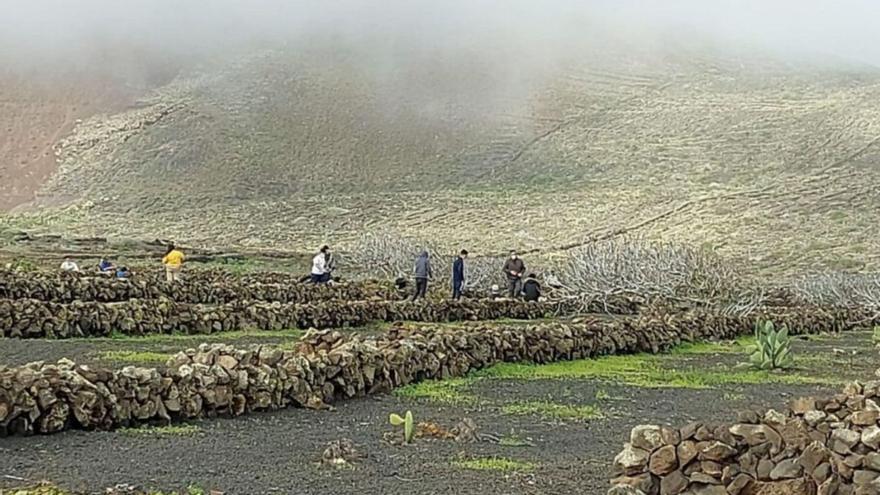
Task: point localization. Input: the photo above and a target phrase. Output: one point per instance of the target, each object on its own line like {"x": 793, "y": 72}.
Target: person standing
{"x": 514, "y": 269}
{"x": 320, "y": 272}
{"x": 68, "y": 265}
{"x": 458, "y": 274}
{"x": 422, "y": 274}
{"x": 173, "y": 261}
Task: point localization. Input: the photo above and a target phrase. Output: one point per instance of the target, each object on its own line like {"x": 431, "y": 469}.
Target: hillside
{"x": 771, "y": 163}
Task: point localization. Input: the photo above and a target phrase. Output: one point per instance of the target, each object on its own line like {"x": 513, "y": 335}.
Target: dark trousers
{"x": 421, "y": 288}
{"x": 320, "y": 279}
{"x": 456, "y": 289}
{"x": 514, "y": 287}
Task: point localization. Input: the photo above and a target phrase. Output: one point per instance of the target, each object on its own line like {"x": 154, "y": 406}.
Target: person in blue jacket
{"x": 458, "y": 274}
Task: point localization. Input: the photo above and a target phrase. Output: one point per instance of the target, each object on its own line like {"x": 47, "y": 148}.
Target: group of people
{"x": 105, "y": 267}
{"x": 172, "y": 261}
{"x": 518, "y": 285}
{"x": 323, "y": 265}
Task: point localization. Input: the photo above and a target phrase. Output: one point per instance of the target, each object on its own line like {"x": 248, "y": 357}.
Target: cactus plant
{"x": 772, "y": 349}
{"x": 407, "y": 423}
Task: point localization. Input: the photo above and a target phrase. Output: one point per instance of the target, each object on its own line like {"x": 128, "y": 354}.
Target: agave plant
{"x": 407, "y": 423}
{"x": 772, "y": 348}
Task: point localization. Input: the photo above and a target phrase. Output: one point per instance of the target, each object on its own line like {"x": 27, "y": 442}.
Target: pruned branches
{"x": 840, "y": 289}
{"x": 389, "y": 255}
{"x": 645, "y": 271}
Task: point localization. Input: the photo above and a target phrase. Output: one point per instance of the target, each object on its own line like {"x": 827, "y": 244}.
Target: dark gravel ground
{"x": 278, "y": 452}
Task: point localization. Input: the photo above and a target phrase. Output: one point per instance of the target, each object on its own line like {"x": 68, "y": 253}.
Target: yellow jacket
{"x": 173, "y": 259}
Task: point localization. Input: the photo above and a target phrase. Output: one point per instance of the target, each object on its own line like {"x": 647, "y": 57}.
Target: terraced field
{"x": 768, "y": 163}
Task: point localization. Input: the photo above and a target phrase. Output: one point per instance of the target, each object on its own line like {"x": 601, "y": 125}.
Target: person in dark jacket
{"x": 514, "y": 268}
{"x": 531, "y": 288}
{"x": 458, "y": 274}
{"x": 422, "y": 274}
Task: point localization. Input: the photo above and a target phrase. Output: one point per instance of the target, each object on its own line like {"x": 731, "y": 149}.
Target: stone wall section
{"x": 328, "y": 365}
{"x": 31, "y": 318}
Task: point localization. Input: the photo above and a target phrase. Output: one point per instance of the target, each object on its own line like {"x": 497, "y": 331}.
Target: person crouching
{"x": 320, "y": 266}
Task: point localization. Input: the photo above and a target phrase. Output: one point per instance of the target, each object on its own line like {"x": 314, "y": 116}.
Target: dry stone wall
{"x": 327, "y": 366}
{"x": 30, "y": 318}
{"x": 200, "y": 287}
{"x": 826, "y": 446}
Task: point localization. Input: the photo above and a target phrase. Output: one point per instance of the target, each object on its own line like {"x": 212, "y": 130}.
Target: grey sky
{"x": 32, "y": 31}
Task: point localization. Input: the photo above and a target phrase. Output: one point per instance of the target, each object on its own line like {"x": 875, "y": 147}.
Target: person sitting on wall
{"x": 531, "y": 288}
{"x": 106, "y": 267}
{"x": 68, "y": 265}
{"x": 495, "y": 292}
{"x": 123, "y": 273}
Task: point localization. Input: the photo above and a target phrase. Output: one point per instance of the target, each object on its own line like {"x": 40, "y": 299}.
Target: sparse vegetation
{"x": 647, "y": 371}
{"x": 495, "y": 464}
{"x": 772, "y": 348}
{"x": 512, "y": 440}
{"x": 450, "y": 391}
{"x": 181, "y": 430}
{"x": 407, "y": 423}
{"x": 733, "y": 396}
{"x": 135, "y": 356}
{"x": 553, "y": 410}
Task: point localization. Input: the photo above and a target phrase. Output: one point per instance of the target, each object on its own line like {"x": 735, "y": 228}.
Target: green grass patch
{"x": 495, "y": 464}
{"x": 552, "y": 410}
{"x": 135, "y": 356}
{"x": 645, "y": 370}
{"x": 451, "y": 391}
{"x": 602, "y": 394}
{"x": 162, "y": 431}
{"x": 512, "y": 440}
{"x": 738, "y": 346}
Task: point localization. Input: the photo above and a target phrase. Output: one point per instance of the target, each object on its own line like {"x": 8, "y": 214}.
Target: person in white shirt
{"x": 69, "y": 265}
{"x": 320, "y": 269}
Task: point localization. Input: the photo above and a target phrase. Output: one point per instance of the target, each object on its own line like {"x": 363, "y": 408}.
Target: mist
{"x": 131, "y": 35}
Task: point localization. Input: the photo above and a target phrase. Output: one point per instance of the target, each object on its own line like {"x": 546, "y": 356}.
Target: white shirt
{"x": 318, "y": 264}
{"x": 69, "y": 266}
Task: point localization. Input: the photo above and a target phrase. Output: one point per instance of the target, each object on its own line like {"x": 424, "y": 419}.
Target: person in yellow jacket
{"x": 173, "y": 262}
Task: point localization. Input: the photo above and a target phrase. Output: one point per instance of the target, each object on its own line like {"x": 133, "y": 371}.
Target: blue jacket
{"x": 458, "y": 270}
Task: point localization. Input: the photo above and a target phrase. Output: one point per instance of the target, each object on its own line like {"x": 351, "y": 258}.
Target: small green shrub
{"x": 407, "y": 423}
{"x": 772, "y": 349}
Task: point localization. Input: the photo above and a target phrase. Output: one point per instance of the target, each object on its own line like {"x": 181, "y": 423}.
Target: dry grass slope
{"x": 773, "y": 165}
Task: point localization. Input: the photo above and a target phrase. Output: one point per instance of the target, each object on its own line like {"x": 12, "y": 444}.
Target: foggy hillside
{"x": 523, "y": 126}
